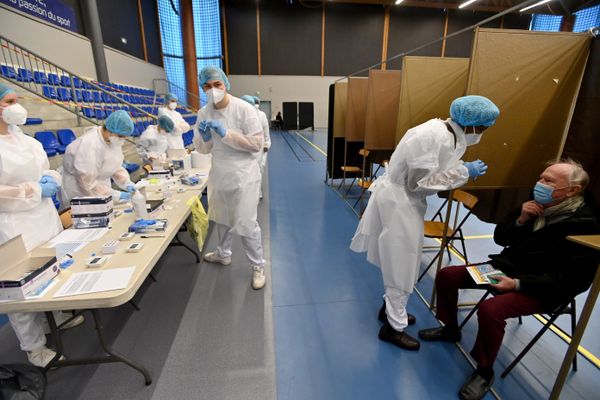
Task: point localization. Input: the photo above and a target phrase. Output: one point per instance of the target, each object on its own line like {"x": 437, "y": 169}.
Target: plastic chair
{"x": 49, "y": 143}
{"x": 8, "y": 72}
{"x": 53, "y": 79}
{"x": 89, "y": 112}
{"x": 40, "y": 77}
{"x": 33, "y": 121}
{"x": 100, "y": 114}
{"x": 77, "y": 95}
{"x": 77, "y": 82}
{"x": 64, "y": 94}
{"x": 65, "y": 81}
{"x": 65, "y": 136}
{"x": 435, "y": 229}
{"x": 97, "y": 97}
{"x": 24, "y": 75}
{"x": 49, "y": 92}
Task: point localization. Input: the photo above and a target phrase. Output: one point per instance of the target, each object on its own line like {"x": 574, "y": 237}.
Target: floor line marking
{"x": 312, "y": 144}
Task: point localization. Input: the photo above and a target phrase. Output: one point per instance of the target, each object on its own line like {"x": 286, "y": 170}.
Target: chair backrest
{"x": 65, "y": 136}
{"x": 465, "y": 199}
{"x": 47, "y": 139}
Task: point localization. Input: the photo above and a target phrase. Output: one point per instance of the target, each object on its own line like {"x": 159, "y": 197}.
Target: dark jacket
{"x": 548, "y": 265}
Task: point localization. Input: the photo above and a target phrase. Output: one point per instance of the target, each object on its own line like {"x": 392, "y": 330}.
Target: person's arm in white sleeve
{"x": 122, "y": 178}
{"x": 54, "y": 174}
{"x": 23, "y": 196}
{"x": 200, "y": 145}
{"x": 250, "y": 143}
{"x": 86, "y": 175}
{"x": 265, "y": 125}
{"x": 142, "y": 146}
{"x": 424, "y": 174}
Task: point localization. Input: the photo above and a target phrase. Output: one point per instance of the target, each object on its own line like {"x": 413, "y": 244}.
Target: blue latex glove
{"x": 48, "y": 179}
{"x": 476, "y": 168}
{"x": 49, "y": 188}
{"x": 125, "y": 196}
{"x": 217, "y": 127}
{"x": 130, "y": 188}
{"x": 204, "y": 131}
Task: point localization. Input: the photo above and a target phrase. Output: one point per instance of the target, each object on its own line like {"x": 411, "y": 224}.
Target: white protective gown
{"x": 24, "y": 211}
{"x": 152, "y": 143}
{"x": 234, "y": 179}
{"x": 89, "y": 164}
{"x": 426, "y": 161}
{"x": 175, "y": 138}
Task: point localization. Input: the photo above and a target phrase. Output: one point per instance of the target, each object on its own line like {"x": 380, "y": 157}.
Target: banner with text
{"x": 53, "y": 11}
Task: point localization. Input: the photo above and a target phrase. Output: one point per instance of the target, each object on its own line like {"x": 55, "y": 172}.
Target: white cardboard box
{"x": 21, "y": 273}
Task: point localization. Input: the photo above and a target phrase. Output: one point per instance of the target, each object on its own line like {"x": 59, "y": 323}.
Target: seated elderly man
{"x": 543, "y": 268}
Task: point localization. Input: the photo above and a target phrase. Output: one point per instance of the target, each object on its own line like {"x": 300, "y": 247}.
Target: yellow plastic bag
{"x": 198, "y": 221}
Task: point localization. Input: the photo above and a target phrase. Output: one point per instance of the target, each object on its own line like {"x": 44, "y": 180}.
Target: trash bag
{"x": 197, "y": 222}
{"x": 21, "y": 382}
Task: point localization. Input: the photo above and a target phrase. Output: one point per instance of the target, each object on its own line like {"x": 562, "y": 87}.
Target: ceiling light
{"x": 466, "y": 3}
{"x": 539, "y": 3}
{"x": 398, "y": 2}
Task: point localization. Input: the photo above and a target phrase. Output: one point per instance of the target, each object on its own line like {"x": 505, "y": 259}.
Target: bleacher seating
{"x": 49, "y": 143}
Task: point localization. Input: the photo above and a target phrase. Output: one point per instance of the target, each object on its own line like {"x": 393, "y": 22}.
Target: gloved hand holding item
{"x": 130, "y": 187}
{"x": 476, "y": 168}
{"x": 204, "y": 131}
{"x": 218, "y": 127}
{"x": 125, "y": 196}
{"x": 48, "y": 179}
{"x": 49, "y": 187}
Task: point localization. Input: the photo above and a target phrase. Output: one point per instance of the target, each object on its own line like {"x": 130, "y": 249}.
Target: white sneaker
{"x": 62, "y": 317}
{"x": 42, "y": 356}
{"x": 258, "y": 277}
{"x": 214, "y": 257}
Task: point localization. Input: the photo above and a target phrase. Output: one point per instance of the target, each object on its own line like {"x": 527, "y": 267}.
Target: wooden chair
{"x": 435, "y": 229}
{"x": 354, "y": 170}
{"x": 365, "y": 184}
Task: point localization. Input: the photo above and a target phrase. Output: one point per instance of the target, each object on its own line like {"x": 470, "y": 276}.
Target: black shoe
{"x": 400, "y": 339}
{"x": 383, "y": 316}
{"x": 475, "y": 388}
{"x": 441, "y": 334}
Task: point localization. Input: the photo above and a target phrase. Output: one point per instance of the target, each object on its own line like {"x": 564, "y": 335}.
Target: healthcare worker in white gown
{"x": 427, "y": 160}
{"x": 264, "y": 123}
{"x": 175, "y": 139}
{"x": 96, "y": 157}
{"x": 228, "y": 128}
{"x": 26, "y": 208}
{"x": 153, "y": 144}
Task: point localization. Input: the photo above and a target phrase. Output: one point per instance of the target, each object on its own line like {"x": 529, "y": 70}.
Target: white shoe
{"x": 42, "y": 356}
{"x": 258, "y": 277}
{"x": 62, "y": 317}
{"x": 214, "y": 257}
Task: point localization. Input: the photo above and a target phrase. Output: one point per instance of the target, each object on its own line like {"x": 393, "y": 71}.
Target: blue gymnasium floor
{"x": 326, "y": 299}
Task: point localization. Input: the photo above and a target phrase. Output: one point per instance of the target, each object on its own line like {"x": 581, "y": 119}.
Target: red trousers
{"x": 491, "y": 315}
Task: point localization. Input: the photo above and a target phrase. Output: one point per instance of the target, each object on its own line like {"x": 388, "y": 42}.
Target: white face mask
{"x": 215, "y": 95}
{"x": 472, "y": 138}
{"x": 116, "y": 141}
{"x": 14, "y": 114}
{"x": 257, "y": 106}
{"x": 172, "y": 105}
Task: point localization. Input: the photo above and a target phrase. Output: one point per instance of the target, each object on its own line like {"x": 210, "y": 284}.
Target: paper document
{"x": 78, "y": 235}
{"x": 96, "y": 281}
{"x": 64, "y": 248}
{"x": 484, "y": 274}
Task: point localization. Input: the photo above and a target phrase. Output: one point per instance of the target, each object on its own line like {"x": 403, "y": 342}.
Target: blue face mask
{"x": 543, "y": 193}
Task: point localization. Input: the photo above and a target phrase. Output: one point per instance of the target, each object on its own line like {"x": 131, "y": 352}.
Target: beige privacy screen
{"x": 429, "y": 84}
{"x": 533, "y": 77}
{"x": 356, "y": 109}
{"x": 339, "y": 109}
{"x": 382, "y": 109}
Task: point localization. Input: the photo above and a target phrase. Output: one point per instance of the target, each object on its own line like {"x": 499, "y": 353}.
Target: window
{"x": 172, "y": 47}
{"x": 587, "y": 18}
{"x": 207, "y": 32}
{"x": 543, "y": 22}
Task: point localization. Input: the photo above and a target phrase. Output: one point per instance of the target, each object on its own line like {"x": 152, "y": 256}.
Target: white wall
{"x": 278, "y": 89}
{"x": 74, "y": 52}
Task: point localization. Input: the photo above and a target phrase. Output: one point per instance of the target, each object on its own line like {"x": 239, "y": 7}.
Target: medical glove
{"x": 476, "y": 168}
{"x": 48, "y": 179}
{"x": 48, "y": 188}
{"x": 130, "y": 187}
{"x": 218, "y": 127}
{"x": 125, "y": 196}
{"x": 204, "y": 132}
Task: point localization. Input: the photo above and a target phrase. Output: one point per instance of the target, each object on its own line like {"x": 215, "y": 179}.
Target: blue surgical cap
{"x": 256, "y": 99}
{"x": 4, "y": 90}
{"x": 170, "y": 97}
{"x": 119, "y": 123}
{"x": 165, "y": 123}
{"x": 211, "y": 73}
{"x": 248, "y": 99}
{"x": 474, "y": 111}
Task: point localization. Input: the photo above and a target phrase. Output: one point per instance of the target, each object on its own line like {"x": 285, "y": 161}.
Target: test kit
{"x": 134, "y": 247}
{"x": 97, "y": 261}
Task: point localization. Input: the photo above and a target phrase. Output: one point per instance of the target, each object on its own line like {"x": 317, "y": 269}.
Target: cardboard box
{"x": 91, "y": 205}
{"x": 97, "y": 220}
{"x": 22, "y": 274}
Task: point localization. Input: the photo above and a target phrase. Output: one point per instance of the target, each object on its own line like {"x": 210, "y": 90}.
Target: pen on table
{"x": 151, "y": 236}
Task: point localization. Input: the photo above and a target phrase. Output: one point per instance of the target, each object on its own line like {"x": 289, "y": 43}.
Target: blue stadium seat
{"x": 33, "y": 121}
{"x": 53, "y": 79}
{"x": 87, "y": 96}
{"x": 65, "y": 81}
{"x": 49, "y": 143}
{"x": 65, "y": 136}
{"x": 100, "y": 114}
{"x": 87, "y": 85}
{"x": 77, "y": 95}
{"x": 49, "y": 92}
{"x": 8, "y": 72}
{"x": 77, "y": 82}
{"x": 64, "y": 94}
{"x": 24, "y": 75}
{"x": 40, "y": 77}
{"x": 89, "y": 112}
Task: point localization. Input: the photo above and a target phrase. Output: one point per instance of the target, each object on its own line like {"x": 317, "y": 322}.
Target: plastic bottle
{"x": 139, "y": 205}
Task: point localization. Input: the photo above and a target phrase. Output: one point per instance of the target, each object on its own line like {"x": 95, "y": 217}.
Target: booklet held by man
{"x": 484, "y": 274}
